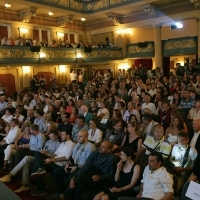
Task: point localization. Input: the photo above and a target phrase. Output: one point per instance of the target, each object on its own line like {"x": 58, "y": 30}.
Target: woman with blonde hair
{"x": 132, "y": 139}
{"x": 46, "y": 120}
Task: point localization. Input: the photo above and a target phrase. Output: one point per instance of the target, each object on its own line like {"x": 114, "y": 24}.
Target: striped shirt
{"x": 162, "y": 146}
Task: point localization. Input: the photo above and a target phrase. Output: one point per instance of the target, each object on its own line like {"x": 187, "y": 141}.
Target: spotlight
{"x": 7, "y": 5}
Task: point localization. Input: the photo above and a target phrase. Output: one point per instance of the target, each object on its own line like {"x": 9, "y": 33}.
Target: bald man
{"x": 156, "y": 142}
{"x": 97, "y": 172}
{"x": 80, "y": 153}
{"x": 194, "y": 137}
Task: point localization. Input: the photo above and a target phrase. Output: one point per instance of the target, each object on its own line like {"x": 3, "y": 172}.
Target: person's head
{"x": 186, "y": 93}
{"x": 50, "y": 108}
{"x": 183, "y": 139}
{"x": 196, "y": 124}
{"x": 147, "y": 98}
{"x": 80, "y": 121}
{"x": 84, "y": 109}
{"x": 130, "y": 106}
{"x": 82, "y": 136}
{"x": 117, "y": 98}
{"x": 47, "y": 117}
{"x": 121, "y": 105}
{"x": 165, "y": 105}
{"x": 127, "y": 154}
{"x": 132, "y": 127}
{"x": 74, "y": 111}
{"x": 62, "y": 109}
{"x": 54, "y": 135}
{"x": 146, "y": 119}
{"x": 178, "y": 122}
{"x": 85, "y": 97}
{"x": 71, "y": 102}
{"x": 117, "y": 114}
{"x": 65, "y": 136}
{"x": 34, "y": 129}
{"x": 155, "y": 160}
{"x": 132, "y": 118}
{"x": 30, "y": 113}
{"x": 158, "y": 132}
{"x": 103, "y": 104}
{"x": 106, "y": 147}
{"x": 65, "y": 117}
{"x": 8, "y": 111}
{"x": 93, "y": 124}
{"x": 117, "y": 125}
{"x": 14, "y": 122}
{"x": 38, "y": 113}
{"x": 197, "y": 103}
{"x": 79, "y": 103}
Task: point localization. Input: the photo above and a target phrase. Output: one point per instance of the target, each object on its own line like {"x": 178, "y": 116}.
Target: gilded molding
{"x": 59, "y": 54}
{"x": 103, "y": 54}
{"x": 17, "y": 53}
{"x": 136, "y": 49}
{"x": 180, "y": 44}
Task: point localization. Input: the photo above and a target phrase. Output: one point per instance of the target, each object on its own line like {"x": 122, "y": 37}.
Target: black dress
{"x": 125, "y": 179}
{"x": 133, "y": 145}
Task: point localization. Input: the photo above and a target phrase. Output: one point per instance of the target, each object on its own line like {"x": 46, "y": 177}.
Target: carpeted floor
{"x": 26, "y": 195}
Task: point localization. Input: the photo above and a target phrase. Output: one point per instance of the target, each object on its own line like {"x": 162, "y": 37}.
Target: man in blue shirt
{"x": 80, "y": 153}
{"x": 36, "y": 143}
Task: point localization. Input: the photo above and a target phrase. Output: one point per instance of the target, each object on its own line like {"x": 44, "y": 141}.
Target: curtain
{"x": 44, "y": 36}
{"x": 145, "y": 62}
{"x": 35, "y": 34}
{"x": 71, "y": 37}
{"x": 3, "y": 32}
{"x": 166, "y": 66}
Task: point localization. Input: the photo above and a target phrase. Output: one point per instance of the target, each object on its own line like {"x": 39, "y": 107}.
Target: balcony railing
{"x": 23, "y": 55}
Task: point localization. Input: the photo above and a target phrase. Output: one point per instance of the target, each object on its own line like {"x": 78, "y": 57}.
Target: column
{"x": 198, "y": 33}
{"x": 158, "y": 46}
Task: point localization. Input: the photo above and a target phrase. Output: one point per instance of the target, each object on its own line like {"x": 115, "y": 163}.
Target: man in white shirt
{"x": 148, "y": 104}
{"x": 58, "y": 159}
{"x": 157, "y": 183}
{"x": 195, "y": 139}
{"x": 10, "y": 138}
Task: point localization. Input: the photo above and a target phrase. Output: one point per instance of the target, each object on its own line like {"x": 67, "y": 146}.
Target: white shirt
{"x": 73, "y": 76}
{"x": 12, "y": 135}
{"x": 20, "y": 118}
{"x": 152, "y": 92}
{"x": 105, "y": 111}
{"x": 97, "y": 135}
{"x": 150, "y": 106}
{"x": 178, "y": 153}
{"x": 29, "y": 107}
{"x": 157, "y": 183}
{"x": 149, "y": 128}
{"x": 194, "y": 140}
{"x": 7, "y": 118}
{"x": 128, "y": 113}
{"x": 46, "y": 108}
{"x": 65, "y": 149}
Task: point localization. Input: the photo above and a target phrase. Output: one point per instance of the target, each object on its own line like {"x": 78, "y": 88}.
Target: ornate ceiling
{"x": 99, "y": 14}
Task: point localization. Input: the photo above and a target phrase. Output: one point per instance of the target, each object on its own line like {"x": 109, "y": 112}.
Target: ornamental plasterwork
{"x": 59, "y": 54}
{"x": 103, "y": 54}
{"x": 181, "y": 44}
{"x": 17, "y": 53}
{"x": 137, "y": 49}
{"x": 85, "y": 5}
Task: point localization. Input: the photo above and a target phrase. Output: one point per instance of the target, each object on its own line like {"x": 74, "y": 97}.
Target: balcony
{"x": 23, "y": 55}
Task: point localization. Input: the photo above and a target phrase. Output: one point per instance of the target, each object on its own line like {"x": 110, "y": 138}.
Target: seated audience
{"x": 49, "y": 149}
{"x": 194, "y": 112}
{"x": 7, "y": 117}
{"x": 75, "y": 163}
{"x": 126, "y": 177}
{"x": 74, "y": 115}
{"x": 84, "y": 112}
{"x": 65, "y": 125}
{"x": 157, "y": 183}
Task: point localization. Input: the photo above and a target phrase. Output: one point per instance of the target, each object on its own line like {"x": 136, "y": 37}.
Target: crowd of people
{"x": 107, "y": 135}
{"x": 21, "y": 41}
